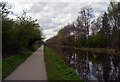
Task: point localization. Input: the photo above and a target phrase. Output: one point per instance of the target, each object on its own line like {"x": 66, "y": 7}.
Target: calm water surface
{"x": 90, "y": 65}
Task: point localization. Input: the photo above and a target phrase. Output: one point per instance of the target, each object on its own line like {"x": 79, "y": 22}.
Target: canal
{"x": 90, "y": 65}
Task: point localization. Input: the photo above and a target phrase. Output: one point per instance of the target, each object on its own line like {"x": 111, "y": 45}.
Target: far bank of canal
{"x": 97, "y": 50}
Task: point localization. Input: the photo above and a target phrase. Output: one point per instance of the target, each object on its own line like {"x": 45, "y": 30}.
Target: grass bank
{"x": 9, "y": 64}
{"x": 56, "y": 67}
{"x": 101, "y": 50}
{"x": 97, "y": 50}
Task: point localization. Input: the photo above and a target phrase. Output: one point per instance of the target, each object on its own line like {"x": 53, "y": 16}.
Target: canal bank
{"x": 57, "y": 69}
{"x": 97, "y": 50}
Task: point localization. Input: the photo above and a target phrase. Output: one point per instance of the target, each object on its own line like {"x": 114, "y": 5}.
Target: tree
{"x": 96, "y": 25}
{"x": 20, "y": 34}
{"x": 106, "y": 28}
{"x": 114, "y": 18}
{"x": 85, "y": 17}
{"x": 115, "y": 37}
{"x": 80, "y": 42}
{"x": 4, "y": 11}
{"x": 114, "y": 13}
{"x": 28, "y": 31}
{"x": 9, "y": 37}
{"x": 100, "y": 39}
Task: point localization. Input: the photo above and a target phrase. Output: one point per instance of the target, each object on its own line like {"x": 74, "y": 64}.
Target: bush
{"x": 20, "y": 34}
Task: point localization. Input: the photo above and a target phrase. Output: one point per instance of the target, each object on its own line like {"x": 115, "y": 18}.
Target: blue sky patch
{"x": 53, "y": 17}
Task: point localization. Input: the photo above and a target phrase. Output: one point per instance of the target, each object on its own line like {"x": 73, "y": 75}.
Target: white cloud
{"x": 97, "y": 14}
{"x": 53, "y": 15}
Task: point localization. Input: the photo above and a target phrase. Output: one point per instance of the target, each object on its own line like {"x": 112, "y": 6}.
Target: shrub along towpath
{"x": 32, "y": 69}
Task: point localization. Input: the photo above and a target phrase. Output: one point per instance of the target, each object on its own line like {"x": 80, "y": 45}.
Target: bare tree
{"x": 85, "y": 17}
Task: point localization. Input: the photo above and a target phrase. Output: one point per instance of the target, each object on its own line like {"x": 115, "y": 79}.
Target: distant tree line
{"x": 18, "y": 34}
{"x": 89, "y": 31}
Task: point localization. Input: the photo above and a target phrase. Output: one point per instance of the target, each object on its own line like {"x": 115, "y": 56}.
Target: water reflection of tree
{"x": 110, "y": 67}
{"x": 116, "y": 72}
{"x": 79, "y": 63}
{"x": 104, "y": 67}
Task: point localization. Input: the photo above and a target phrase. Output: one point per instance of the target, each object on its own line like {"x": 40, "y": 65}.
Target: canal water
{"x": 90, "y": 65}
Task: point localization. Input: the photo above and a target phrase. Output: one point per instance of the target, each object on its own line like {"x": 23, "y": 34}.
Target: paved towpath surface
{"x": 33, "y": 68}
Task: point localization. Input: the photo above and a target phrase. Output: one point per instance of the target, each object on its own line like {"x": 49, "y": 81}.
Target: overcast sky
{"x": 52, "y": 14}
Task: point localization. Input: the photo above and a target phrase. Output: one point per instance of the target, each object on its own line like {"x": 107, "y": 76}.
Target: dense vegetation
{"x": 20, "y": 34}
{"x": 56, "y": 67}
{"x": 90, "y": 31}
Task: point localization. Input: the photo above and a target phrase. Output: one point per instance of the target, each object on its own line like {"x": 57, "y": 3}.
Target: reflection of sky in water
{"x": 91, "y": 73}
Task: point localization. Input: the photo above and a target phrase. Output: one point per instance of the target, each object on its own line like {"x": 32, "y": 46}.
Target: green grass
{"x": 101, "y": 50}
{"x": 57, "y": 69}
{"x": 9, "y": 64}
{"x": 97, "y": 50}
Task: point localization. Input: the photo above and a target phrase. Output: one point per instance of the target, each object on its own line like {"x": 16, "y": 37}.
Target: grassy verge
{"x": 9, "y": 64}
{"x": 97, "y": 50}
{"x": 101, "y": 50}
{"x": 57, "y": 69}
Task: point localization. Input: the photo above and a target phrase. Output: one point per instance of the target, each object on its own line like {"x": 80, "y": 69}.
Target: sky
{"x": 52, "y": 15}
